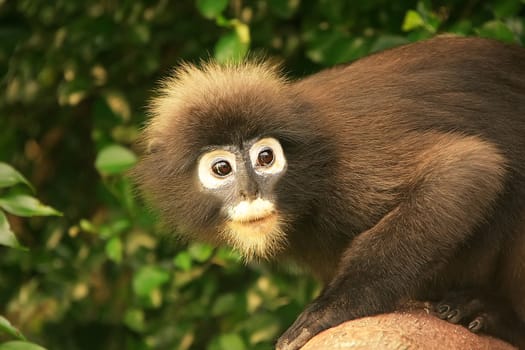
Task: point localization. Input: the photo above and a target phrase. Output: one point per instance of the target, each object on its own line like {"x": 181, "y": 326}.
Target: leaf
{"x": 211, "y": 8}
{"x": 114, "y": 228}
{"x": 8, "y": 238}
{"x": 183, "y": 261}
{"x": 496, "y": 30}
{"x": 226, "y": 255}
{"x": 114, "y": 159}
{"x": 7, "y": 327}
{"x": 200, "y": 252}
{"x": 230, "y": 48}
{"x": 231, "y": 341}
{"x": 20, "y": 345}
{"x": 331, "y": 47}
{"x": 87, "y": 226}
{"x": 10, "y": 177}
{"x": 413, "y": 20}
{"x": 25, "y": 205}
{"x": 148, "y": 278}
{"x": 114, "y": 249}
{"x": 462, "y": 27}
{"x": 134, "y": 319}
{"x": 243, "y": 31}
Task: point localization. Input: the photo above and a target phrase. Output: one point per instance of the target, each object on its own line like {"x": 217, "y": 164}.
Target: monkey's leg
{"x": 482, "y": 313}
{"x": 453, "y": 187}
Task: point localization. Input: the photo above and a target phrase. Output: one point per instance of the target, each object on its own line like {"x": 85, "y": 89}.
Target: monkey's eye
{"x": 217, "y": 168}
{"x": 221, "y": 168}
{"x": 265, "y": 157}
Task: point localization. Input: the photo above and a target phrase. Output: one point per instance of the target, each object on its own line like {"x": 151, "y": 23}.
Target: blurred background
{"x": 86, "y": 266}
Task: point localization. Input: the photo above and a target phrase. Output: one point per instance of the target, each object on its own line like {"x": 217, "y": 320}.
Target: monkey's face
{"x": 244, "y": 179}
{"x": 234, "y": 157}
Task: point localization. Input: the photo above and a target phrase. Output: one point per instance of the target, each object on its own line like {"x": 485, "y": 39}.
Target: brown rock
{"x": 403, "y": 330}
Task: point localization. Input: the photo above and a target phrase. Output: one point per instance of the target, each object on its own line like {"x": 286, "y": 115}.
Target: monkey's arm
{"x": 452, "y": 188}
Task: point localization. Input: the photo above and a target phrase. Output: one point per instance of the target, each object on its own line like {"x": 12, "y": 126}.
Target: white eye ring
{"x": 207, "y": 176}
{"x": 278, "y": 161}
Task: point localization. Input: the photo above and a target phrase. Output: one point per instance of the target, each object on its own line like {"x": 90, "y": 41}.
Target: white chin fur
{"x": 254, "y": 229}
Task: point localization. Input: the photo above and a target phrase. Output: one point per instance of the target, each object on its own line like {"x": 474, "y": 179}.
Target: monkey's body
{"x": 388, "y": 116}
{"x": 405, "y": 177}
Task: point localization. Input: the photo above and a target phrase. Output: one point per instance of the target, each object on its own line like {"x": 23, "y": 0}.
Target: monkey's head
{"x": 232, "y": 155}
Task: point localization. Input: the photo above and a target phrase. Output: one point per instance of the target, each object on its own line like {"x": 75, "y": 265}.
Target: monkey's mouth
{"x": 254, "y": 226}
{"x": 255, "y": 220}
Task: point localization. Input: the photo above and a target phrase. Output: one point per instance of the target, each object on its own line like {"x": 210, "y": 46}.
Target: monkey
{"x": 399, "y": 176}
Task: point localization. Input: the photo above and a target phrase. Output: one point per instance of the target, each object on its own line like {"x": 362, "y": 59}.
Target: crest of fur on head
{"x": 190, "y": 84}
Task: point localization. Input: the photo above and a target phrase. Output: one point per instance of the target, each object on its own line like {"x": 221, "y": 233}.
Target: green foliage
{"x": 7, "y": 237}
{"x": 10, "y": 177}
{"x": 20, "y": 345}
{"x": 7, "y": 327}
{"x": 17, "y": 204}
{"x": 211, "y": 8}
{"x": 77, "y": 75}
{"x": 24, "y": 205}
{"x": 114, "y": 159}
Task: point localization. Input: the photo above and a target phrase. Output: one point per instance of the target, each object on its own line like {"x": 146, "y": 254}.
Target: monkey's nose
{"x": 246, "y": 194}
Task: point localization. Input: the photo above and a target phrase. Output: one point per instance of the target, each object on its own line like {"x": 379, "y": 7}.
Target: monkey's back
{"x": 468, "y": 85}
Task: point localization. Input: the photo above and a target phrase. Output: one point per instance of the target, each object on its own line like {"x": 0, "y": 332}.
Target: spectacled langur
{"x": 400, "y": 176}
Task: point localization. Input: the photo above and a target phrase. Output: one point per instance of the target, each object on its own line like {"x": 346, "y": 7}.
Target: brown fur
{"x": 405, "y": 178}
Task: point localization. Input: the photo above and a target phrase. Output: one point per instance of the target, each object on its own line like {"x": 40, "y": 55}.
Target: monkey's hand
{"x": 482, "y": 313}
{"x": 317, "y": 317}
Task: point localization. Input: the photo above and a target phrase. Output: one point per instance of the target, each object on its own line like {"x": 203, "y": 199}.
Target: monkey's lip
{"x": 255, "y": 220}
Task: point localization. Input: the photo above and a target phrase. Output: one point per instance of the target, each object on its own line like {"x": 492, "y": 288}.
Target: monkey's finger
{"x": 442, "y": 310}
{"x": 477, "y": 325}
{"x": 454, "y": 316}
{"x": 446, "y": 311}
